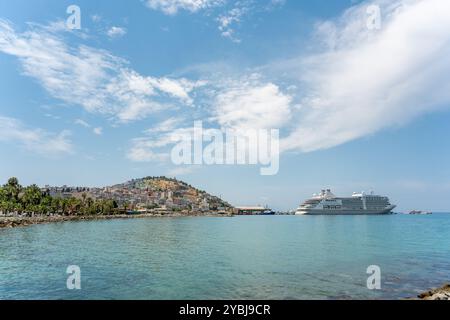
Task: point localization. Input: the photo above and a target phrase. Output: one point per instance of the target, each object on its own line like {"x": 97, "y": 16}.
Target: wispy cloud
{"x": 35, "y": 140}
{"x": 167, "y": 125}
{"x": 82, "y": 123}
{"x": 96, "y": 18}
{"x": 276, "y": 3}
{"x": 98, "y": 131}
{"x": 52, "y": 116}
{"x": 358, "y": 81}
{"x": 181, "y": 171}
{"x": 361, "y": 81}
{"x": 154, "y": 146}
{"x": 116, "y": 32}
{"x": 92, "y": 78}
{"x": 228, "y": 13}
{"x": 228, "y": 19}
{"x": 146, "y": 149}
{"x": 238, "y": 104}
{"x": 172, "y": 7}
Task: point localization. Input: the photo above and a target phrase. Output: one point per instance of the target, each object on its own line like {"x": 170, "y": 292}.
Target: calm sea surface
{"x": 271, "y": 257}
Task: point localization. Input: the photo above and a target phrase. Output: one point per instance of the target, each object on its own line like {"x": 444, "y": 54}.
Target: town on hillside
{"x": 148, "y": 195}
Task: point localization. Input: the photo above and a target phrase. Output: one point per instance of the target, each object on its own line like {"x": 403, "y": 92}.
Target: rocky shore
{"x": 442, "y": 293}
{"x": 12, "y": 222}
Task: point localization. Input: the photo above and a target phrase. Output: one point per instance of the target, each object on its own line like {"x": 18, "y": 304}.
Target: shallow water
{"x": 265, "y": 257}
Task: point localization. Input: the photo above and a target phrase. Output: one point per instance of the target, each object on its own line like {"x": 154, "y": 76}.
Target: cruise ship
{"x": 326, "y": 203}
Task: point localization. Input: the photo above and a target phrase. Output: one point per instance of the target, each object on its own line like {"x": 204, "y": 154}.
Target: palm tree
{"x": 12, "y": 189}
{"x": 32, "y": 196}
{"x": 55, "y": 205}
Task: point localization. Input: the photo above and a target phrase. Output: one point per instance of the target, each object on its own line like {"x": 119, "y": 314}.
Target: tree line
{"x": 32, "y": 200}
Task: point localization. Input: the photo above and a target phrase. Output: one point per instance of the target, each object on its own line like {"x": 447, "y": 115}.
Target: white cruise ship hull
{"x": 317, "y": 212}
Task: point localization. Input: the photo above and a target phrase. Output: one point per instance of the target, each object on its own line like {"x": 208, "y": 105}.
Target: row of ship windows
{"x": 352, "y": 208}
{"x": 332, "y": 207}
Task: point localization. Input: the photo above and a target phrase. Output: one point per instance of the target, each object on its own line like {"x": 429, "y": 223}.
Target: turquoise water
{"x": 270, "y": 257}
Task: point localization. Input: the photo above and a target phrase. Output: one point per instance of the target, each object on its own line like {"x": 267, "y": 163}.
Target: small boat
{"x": 420, "y": 212}
{"x": 254, "y": 211}
{"x": 132, "y": 212}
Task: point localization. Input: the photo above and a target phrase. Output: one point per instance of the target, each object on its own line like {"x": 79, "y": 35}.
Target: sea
{"x": 241, "y": 257}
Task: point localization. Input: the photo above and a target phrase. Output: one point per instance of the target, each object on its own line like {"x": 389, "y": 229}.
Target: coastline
{"x": 442, "y": 293}
{"x": 14, "y": 222}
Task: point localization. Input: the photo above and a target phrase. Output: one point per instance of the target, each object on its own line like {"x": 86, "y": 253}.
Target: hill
{"x": 149, "y": 193}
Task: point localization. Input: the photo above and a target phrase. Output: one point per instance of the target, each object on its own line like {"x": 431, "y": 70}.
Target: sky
{"x": 359, "y": 92}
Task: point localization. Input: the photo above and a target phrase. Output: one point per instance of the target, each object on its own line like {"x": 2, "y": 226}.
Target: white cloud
{"x": 97, "y": 130}
{"x": 146, "y": 150}
{"x": 179, "y": 88}
{"x": 34, "y": 140}
{"x": 250, "y": 104}
{"x": 116, "y": 32}
{"x": 165, "y": 126}
{"x": 143, "y": 154}
{"x": 362, "y": 80}
{"x": 89, "y": 77}
{"x": 52, "y": 116}
{"x": 226, "y": 22}
{"x": 96, "y": 18}
{"x": 247, "y": 103}
{"x": 82, "y": 123}
{"x": 172, "y": 7}
{"x": 277, "y": 2}
{"x": 356, "y": 83}
{"x": 153, "y": 147}
{"x": 181, "y": 171}
{"x": 227, "y": 13}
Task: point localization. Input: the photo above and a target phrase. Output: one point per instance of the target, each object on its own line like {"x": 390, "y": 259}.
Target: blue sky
{"x": 357, "y": 108}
